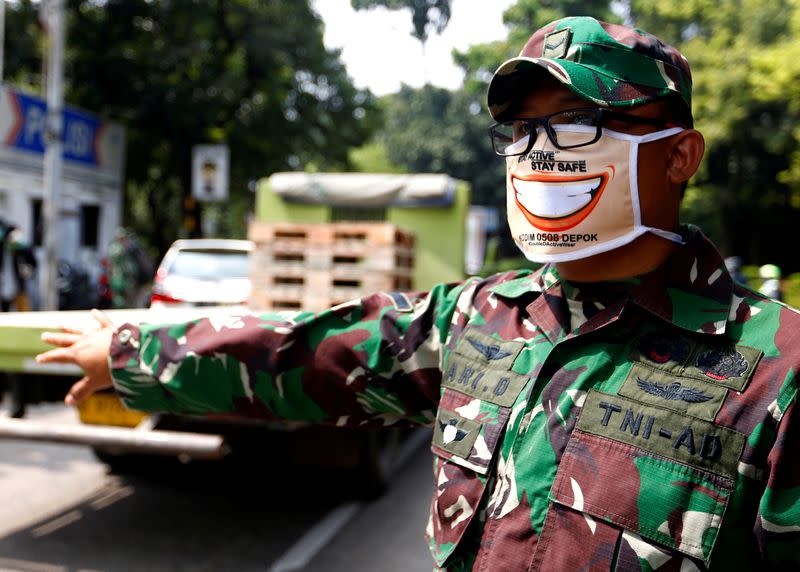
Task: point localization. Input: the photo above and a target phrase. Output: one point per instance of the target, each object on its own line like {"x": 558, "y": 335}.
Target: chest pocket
{"x": 654, "y": 482}
{"x": 478, "y": 392}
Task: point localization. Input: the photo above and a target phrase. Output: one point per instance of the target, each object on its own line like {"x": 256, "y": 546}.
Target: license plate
{"x": 107, "y": 409}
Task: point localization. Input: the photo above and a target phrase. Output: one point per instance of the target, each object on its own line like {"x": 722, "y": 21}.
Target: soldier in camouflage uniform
{"x": 634, "y": 409}
{"x": 122, "y": 271}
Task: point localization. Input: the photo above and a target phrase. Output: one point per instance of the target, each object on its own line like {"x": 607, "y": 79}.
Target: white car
{"x": 203, "y": 272}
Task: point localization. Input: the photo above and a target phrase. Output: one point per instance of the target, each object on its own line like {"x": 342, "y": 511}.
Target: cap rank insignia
{"x": 556, "y": 43}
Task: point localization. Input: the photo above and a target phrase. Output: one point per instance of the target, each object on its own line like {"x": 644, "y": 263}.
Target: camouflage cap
{"x": 608, "y": 64}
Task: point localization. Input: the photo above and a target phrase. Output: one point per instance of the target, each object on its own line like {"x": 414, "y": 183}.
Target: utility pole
{"x": 52, "y": 15}
{"x": 2, "y": 35}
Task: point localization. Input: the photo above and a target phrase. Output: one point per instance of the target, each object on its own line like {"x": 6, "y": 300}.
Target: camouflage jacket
{"x": 627, "y": 426}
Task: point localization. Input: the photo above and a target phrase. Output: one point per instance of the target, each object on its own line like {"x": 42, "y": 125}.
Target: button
{"x": 125, "y": 337}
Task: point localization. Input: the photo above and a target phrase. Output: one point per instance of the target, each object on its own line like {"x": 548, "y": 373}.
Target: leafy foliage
{"x": 740, "y": 52}
{"x": 775, "y": 78}
{"x": 426, "y": 15}
{"x": 22, "y": 58}
{"x": 433, "y": 130}
{"x": 373, "y": 158}
{"x": 254, "y": 75}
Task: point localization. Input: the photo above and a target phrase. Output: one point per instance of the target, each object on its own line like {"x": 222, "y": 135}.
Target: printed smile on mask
{"x": 557, "y": 203}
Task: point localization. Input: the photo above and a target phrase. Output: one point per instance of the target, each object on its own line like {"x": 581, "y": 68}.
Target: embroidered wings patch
{"x": 673, "y": 391}
{"x": 491, "y": 352}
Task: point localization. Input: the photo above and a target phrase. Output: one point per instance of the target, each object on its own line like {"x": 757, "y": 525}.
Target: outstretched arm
{"x": 372, "y": 361}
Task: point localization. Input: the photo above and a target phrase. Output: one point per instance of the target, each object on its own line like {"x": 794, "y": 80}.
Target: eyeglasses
{"x": 506, "y": 133}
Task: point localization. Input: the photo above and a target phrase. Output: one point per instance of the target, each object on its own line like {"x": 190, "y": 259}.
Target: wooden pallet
{"x": 316, "y": 266}
{"x": 288, "y": 298}
{"x": 280, "y": 258}
{"x": 352, "y": 235}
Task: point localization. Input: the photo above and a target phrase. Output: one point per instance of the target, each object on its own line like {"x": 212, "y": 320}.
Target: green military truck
{"x": 433, "y": 207}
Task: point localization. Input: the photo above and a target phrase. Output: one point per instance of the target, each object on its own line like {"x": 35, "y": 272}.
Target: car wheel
{"x": 123, "y": 463}
{"x": 376, "y": 462}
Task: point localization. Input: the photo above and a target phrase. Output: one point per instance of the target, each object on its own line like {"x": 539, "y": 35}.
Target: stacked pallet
{"x": 316, "y": 266}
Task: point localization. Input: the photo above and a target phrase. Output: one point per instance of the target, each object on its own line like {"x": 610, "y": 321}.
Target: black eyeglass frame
{"x": 601, "y": 115}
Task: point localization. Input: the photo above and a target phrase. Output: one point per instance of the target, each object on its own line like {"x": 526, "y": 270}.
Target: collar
{"x": 538, "y": 281}
{"x": 692, "y": 289}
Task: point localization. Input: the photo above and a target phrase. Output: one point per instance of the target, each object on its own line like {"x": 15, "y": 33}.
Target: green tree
{"x": 775, "y": 78}
{"x": 522, "y": 19}
{"x": 22, "y": 53}
{"x": 254, "y": 75}
{"x": 750, "y": 128}
{"x": 426, "y": 15}
{"x": 373, "y": 158}
{"x": 434, "y": 130}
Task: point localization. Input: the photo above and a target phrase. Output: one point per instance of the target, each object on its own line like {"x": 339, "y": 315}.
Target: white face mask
{"x": 568, "y": 204}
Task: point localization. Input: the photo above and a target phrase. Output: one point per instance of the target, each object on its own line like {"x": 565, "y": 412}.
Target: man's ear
{"x": 687, "y": 151}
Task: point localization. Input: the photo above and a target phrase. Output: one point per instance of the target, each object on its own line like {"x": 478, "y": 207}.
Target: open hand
{"x": 88, "y": 349}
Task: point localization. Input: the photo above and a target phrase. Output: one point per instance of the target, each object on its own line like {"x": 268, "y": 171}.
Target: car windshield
{"x": 211, "y": 264}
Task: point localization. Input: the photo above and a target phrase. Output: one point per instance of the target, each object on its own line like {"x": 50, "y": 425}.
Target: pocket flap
{"x": 466, "y": 430}
{"x": 675, "y": 505}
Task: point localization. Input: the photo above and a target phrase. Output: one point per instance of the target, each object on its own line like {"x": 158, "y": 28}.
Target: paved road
{"x": 61, "y": 511}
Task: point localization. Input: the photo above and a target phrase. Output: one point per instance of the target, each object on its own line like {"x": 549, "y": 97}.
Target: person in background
{"x": 18, "y": 268}
{"x": 7, "y": 281}
{"x": 770, "y": 275}
{"x": 626, "y": 406}
{"x": 105, "y": 298}
{"x": 734, "y": 266}
{"x": 122, "y": 271}
{"x": 130, "y": 269}
{"x": 25, "y": 267}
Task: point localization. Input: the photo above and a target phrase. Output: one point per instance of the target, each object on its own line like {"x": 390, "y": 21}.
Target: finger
{"x": 71, "y": 330}
{"x": 60, "y": 355}
{"x": 101, "y": 317}
{"x": 59, "y": 339}
{"x": 79, "y": 391}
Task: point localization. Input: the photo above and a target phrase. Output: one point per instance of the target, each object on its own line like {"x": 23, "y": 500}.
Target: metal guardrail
{"x": 20, "y": 342}
{"x": 157, "y": 442}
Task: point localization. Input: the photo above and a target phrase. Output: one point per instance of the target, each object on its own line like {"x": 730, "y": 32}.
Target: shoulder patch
{"x": 401, "y": 301}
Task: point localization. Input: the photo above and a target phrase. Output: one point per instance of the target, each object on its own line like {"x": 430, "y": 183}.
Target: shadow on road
{"x": 238, "y": 514}
{"x": 201, "y": 516}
